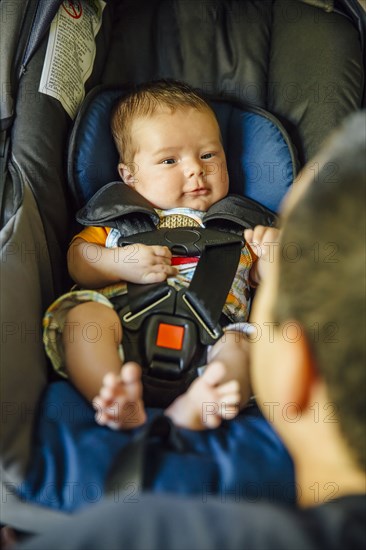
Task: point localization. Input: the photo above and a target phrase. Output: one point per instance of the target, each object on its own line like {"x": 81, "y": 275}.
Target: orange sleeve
{"x": 253, "y": 259}
{"x": 92, "y": 234}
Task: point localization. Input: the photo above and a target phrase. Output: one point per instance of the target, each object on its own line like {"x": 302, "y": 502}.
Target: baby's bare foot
{"x": 206, "y": 402}
{"x": 119, "y": 404}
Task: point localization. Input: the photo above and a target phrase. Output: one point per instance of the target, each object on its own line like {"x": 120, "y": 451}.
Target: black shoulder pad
{"x": 239, "y": 211}
{"x": 118, "y": 205}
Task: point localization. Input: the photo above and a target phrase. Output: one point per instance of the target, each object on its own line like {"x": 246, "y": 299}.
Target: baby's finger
{"x": 154, "y": 277}
{"x": 161, "y": 260}
{"x": 254, "y": 238}
{"x": 167, "y": 269}
{"x": 272, "y": 235}
{"x": 258, "y": 233}
{"x": 159, "y": 273}
{"x": 248, "y": 235}
{"x": 161, "y": 251}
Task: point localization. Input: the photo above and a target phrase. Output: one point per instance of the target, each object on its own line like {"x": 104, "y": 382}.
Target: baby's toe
{"x": 110, "y": 380}
{"x": 106, "y": 394}
{"x": 229, "y": 388}
{"x": 214, "y": 373}
{"x": 230, "y": 407}
{"x": 130, "y": 373}
{"x": 212, "y": 421}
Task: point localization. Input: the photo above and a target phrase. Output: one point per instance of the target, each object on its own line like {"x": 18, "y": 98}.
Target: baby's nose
{"x": 194, "y": 168}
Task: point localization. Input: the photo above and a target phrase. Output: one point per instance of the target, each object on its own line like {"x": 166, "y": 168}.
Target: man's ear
{"x": 127, "y": 175}
{"x": 298, "y": 373}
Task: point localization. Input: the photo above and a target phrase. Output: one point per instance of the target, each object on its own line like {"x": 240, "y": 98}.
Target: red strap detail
{"x": 181, "y": 260}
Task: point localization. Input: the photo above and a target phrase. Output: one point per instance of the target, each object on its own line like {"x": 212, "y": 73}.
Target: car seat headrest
{"x": 260, "y": 157}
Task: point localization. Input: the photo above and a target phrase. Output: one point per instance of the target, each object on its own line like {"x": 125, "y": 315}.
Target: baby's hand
{"x": 147, "y": 264}
{"x": 262, "y": 241}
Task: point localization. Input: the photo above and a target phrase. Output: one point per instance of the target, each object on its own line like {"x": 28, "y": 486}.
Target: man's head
{"x": 170, "y": 146}
{"x": 316, "y": 300}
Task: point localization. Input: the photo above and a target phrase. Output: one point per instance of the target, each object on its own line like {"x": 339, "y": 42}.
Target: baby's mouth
{"x": 198, "y": 192}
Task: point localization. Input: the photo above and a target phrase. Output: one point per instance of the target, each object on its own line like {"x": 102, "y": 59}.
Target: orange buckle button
{"x": 170, "y": 336}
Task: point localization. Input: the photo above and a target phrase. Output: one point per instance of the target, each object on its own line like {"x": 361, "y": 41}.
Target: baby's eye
{"x": 168, "y": 161}
{"x": 207, "y": 156}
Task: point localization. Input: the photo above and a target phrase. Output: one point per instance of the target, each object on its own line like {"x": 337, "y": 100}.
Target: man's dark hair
{"x": 322, "y": 275}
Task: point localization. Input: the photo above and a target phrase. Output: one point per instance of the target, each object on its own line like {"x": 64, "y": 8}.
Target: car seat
{"x": 301, "y": 61}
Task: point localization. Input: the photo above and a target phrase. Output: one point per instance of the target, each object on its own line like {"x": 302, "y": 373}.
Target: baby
{"x": 171, "y": 153}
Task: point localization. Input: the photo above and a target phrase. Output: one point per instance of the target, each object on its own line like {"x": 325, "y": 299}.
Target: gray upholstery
{"x": 301, "y": 62}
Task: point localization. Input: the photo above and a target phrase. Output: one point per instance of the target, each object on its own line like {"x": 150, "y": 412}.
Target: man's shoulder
{"x": 176, "y": 523}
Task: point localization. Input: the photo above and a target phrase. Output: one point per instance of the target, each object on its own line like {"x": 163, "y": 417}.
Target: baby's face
{"x": 179, "y": 160}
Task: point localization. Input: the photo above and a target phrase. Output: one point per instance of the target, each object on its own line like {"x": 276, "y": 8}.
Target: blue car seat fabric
{"x": 261, "y": 159}
{"x": 243, "y": 460}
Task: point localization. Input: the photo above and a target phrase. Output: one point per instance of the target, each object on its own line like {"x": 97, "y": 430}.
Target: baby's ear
{"x": 126, "y": 171}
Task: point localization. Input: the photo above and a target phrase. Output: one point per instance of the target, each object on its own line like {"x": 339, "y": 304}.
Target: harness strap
{"x": 117, "y": 202}
{"x": 236, "y": 210}
{"x": 140, "y": 297}
{"x": 212, "y": 281}
{"x": 130, "y": 465}
{"x": 202, "y": 301}
{"x": 118, "y": 205}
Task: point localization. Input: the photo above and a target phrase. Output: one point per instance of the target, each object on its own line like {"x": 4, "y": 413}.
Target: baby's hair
{"x": 144, "y": 101}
